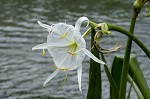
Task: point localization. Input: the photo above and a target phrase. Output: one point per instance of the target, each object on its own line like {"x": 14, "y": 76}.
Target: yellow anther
{"x": 64, "y": 79}
{"x": 64, "y": 35}
{"x": 54, "y": 66}
{"x": 43, "y": 52}
{"x": 64, "y": 68}
{"x": 92, "y": 47}
{"x": 72, "y": 53}
{"x": 60, "y": 68}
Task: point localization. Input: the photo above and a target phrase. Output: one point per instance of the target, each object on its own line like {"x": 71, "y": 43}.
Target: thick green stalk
{"x": 95, "y": 84}
{"x": 123, "y": 83}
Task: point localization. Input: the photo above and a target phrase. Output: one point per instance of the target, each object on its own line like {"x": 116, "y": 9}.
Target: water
{"x": 23, "y": 71}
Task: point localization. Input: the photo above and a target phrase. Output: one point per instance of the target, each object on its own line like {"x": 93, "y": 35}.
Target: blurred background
{"x": 23, "y": 71}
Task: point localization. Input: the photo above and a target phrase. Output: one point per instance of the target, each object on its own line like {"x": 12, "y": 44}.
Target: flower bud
{"x": 138, "y": 4}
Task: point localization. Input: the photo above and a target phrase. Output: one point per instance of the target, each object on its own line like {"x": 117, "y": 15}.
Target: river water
{"x": 23, "y": 71}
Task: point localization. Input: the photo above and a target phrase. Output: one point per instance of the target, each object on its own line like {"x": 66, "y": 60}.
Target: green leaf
{"x": 137, "y": 90}
{"x": 139, "y": 84}
{"x": 116, "y": 74}
{"x": 110, "y": 78}
{"x": 95, "y": 83}
{"x": 136, "y": 72}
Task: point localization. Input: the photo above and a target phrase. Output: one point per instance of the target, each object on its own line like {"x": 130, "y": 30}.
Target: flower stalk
{"x": 123, "y": 83}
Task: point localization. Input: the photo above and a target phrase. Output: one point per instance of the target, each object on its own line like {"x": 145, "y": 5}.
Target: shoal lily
{"x": 67, "y": 47}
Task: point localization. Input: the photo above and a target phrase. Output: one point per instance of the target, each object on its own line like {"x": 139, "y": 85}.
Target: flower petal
{"x": 79, "y": 71}
{"x": 51, "y": 76}
{"x": 40, "y": 46}
{"x": 79, "y": 22}
{"x": 88, "y": 53}
{"x": 57, "y": 35}
{"x": 62, "y": 58}
{"x": 53, "y": 45}
{"x": 44, "y": 25}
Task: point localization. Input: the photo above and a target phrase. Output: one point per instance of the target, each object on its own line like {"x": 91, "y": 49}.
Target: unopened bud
{"x": 138, "y": 4}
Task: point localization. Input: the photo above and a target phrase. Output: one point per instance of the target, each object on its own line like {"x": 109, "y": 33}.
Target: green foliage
{"x": 139, "y": 82}
{"x": 116, "y": 74}
{"x": 113, "y": 84}
{"x": 124, "y": 68}
{"x": 137, "y": 74}
{"x": 95, "y": 84}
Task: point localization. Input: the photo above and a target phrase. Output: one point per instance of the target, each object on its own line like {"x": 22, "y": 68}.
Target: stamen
{"x": 72, "y": 53}
{"x": 43, "y": 52}
{"x": 54, "y": 66}
{"x": 64, "y": 79}
{"x": 60, "y": 68}
{"x": 65, "y": 34}
{"x": 92, "y": 47}
{"x": 64, "y": 68}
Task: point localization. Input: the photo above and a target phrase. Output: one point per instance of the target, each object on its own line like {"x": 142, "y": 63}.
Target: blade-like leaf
{"x": 116, "y": 74}
{"x": 110, "y": 78}
{"x": 138, "y": 92}
{"x": 136, "y": 72}
{"x": 95, "y": 84}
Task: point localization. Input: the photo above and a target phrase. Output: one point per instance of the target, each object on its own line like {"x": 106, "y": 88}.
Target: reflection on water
{"x": 22, "y": 71}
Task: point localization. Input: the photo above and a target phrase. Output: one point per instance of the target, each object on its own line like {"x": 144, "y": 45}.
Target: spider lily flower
{"x": 67, "y": 48}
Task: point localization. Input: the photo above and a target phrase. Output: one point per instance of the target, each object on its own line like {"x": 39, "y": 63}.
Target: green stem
{"x": 125, "y": 68}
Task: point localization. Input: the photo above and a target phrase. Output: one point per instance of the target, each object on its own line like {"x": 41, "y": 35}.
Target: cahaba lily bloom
{"x": 67, "y": 47}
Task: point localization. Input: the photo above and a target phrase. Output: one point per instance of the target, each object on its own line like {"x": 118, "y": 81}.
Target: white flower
{"x": 67, "y": 47}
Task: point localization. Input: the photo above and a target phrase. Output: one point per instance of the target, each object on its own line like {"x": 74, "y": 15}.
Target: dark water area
{"x": 23, "y": 71}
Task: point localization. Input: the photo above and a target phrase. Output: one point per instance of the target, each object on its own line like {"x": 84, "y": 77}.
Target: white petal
{"x": 62, "y": 58}
{"x": 51, "y": 76}
{"x": 79, "y": 71}
{"x": 79, "y": 22}
{"x": 88, "y": 53}
{"x": 41, "y": 46}
{"x": 44, "y": 25}
{"x": 50, "y": 46}
{"x": 80, "y": 41}
{"x": 55, "y": 38}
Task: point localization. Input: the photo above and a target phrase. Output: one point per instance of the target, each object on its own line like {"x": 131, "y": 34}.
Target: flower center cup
{"x": 72, "y": 49}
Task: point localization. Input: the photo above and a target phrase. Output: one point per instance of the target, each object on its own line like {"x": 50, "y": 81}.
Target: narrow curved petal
{"x": 44, "y": 25}
{"x": 79, "y": 71}
{"x": 51, "y": 76}
{"x": 79, "y": 22}
{"x": 41, "y": 46}
{"x": 88, "y": 53}
{"x": 53, "y": 45}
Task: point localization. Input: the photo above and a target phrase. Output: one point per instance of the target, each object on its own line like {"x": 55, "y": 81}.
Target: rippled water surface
{"x": 23, "y": 71}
